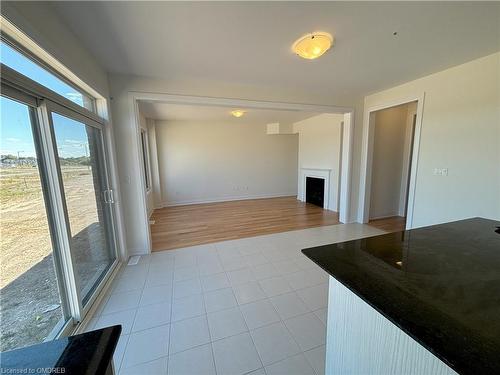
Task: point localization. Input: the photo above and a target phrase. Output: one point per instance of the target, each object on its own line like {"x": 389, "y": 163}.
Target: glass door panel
{"x": 82, "y": 169}
{"x": 30, "y": 300}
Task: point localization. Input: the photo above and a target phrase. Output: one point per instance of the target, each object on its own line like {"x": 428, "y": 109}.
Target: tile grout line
{"x": 225, "y": 271}
{"x": 249, "y": 334}
{"x": 171, "y": 315}
{"x": 135, "y": 316}
{"x": 208, "y": 327}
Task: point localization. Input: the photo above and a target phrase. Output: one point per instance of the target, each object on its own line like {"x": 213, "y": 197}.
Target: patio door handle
{"x": 108, "y": 196}
{"x": 111, "y": 196}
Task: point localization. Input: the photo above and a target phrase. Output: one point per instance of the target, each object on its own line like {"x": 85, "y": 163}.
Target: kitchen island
{"x": 421, "y": 301}
{"x": 89, "y": 353}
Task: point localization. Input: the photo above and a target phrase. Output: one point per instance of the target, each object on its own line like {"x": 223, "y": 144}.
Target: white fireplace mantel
{"x": 322, "y": 173}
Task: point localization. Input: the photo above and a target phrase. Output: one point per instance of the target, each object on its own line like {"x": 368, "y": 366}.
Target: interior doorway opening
{"x": 393, "y": 134}
{"x": 162, "y": 196}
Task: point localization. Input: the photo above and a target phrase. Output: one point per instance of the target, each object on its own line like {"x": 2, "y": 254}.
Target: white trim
{"x": 244, "y": 103}
{"x": 324, "y": 174}
{"x": 155, "y": 173}
{"x": 344, "y": 189}
{"x": 61, "y": 221}
{"x": 98, "y": 297}
{"x": 409, "y": 132}
{"x": 383, "y": 217}
{"x": 146, "y": 158}
{"x": 18, "y": 36}
{"x": 134, "y": 96}
{"x": 227, "y": 199}
{"x": 135, "y": 119}
{"x": 367, "y": 155}
{"x": 27, "y": 85}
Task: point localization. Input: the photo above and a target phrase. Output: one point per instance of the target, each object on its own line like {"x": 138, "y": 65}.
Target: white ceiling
{"x": 248, "y": 43}
{"x": 181, "y": 112}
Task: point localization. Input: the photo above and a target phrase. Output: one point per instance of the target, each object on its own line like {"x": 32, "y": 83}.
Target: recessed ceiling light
{"x": 237, "y": 113}
{"x": 313, "y": 45}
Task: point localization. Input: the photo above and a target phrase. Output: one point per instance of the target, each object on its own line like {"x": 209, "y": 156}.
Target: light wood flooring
{"x": 389, "y": 224}
{"x": 198, "y": 224}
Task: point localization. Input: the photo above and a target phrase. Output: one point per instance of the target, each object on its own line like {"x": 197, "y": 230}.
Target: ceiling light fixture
{"x": 237, "y": 113}
{"x": 313, "y": 45}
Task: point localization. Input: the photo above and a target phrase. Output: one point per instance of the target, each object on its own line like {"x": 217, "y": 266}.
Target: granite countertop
{"x": 439, "y": 284}
{"x": 88, "y": 353}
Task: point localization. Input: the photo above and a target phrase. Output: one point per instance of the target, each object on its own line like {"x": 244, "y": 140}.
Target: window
{"x": 145, "y": 157}
{"x": 14, "y": 59}
{"x": 81, "y": 163}
{"x": 31, "y": 305}
{"x": 58, "y": 241}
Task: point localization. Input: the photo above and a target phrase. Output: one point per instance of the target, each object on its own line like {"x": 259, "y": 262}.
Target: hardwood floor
{"x": 389, "y": 224}
{"x": 198, "y": 224}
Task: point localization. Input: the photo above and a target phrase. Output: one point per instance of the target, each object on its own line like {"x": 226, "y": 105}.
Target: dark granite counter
{"x": 439, "y": 284}
{"x": 88, "y": 353}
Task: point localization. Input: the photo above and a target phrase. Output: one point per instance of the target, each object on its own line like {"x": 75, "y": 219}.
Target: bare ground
{"x": 29, "y": 296}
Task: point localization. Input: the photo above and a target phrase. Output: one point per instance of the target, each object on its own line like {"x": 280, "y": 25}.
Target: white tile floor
{"x": 250, "y": 306}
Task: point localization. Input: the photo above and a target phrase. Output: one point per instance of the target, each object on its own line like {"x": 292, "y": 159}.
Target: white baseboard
{"x": 227, "y": 199}
{"x": 384, "y": 216}
{"x": 132, "y": 252}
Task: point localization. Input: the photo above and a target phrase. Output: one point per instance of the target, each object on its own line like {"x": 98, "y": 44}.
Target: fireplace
{"x": 320, "y": 176}
{"x": 315, "y": 191}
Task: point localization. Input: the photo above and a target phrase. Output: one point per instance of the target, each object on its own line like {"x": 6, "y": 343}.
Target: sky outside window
{"x": 16, "y": 138}
{"x": 20, "y": 63}
{"x": 15, "y": 128}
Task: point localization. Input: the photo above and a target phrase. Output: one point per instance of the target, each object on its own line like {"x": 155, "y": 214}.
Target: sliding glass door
{"x": 87, "y": 197}
{"x": 31, "y": 304}
{"x": 57, "y": 238}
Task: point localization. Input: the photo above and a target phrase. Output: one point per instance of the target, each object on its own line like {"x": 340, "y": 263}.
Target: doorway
{"x": 392, "y": 134}
{"x": 142, "y": 239}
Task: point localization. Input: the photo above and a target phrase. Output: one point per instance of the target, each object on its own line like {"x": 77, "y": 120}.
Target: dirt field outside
{"x": 29, "y": 297}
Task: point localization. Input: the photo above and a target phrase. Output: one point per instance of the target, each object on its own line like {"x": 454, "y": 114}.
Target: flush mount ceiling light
{"x": 237, "y": 113}
{"x": 312, "y": 46}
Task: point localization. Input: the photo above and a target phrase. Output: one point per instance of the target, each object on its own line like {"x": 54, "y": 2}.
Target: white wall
{"x": 122, "y": 86}
{"x": 388, "y": 161}
{"x": 453, "y": 86}
{"x": 320, "y": 148}
{"x": 461, "y": 132}
{"x": 213, "y": 161}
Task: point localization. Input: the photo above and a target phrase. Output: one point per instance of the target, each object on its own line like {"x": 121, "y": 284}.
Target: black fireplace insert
{"x": 315, "y": 191}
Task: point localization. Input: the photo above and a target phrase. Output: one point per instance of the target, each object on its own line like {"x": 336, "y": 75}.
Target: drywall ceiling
{"x": 249, "y": 43}
{"x": 181, "y": 112}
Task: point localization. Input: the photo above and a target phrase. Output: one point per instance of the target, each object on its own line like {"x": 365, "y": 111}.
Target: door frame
{"x": 346, "y": 149}
{"x": 47, "y": 108}
{"x": 367, "y": 156}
